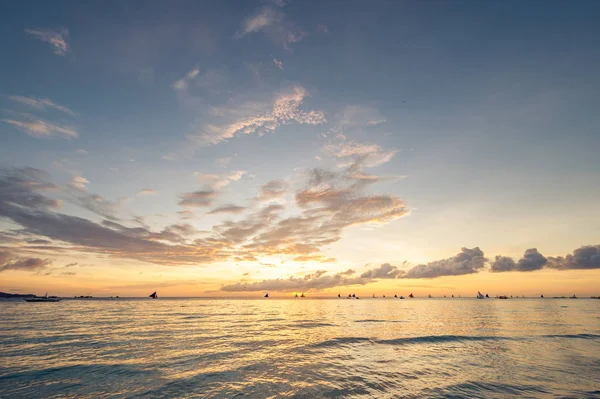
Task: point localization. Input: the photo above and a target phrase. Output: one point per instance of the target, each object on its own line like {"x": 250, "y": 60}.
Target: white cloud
{"x": 42, "y": 103}
{"x": 57, "y": 39}
{"x": 35, "y": 127}
{"x": 78, "y": 183}
{"x": 359, "y": 115}
{"x": 184, "y": 82}
{"x": 219, "y": 181}
{"x": 349, "y": 152}
{"x": 274, "y": 23}
{"x": 257, "y": 22}
{"x": 285, "y": 110}
{"x": 146, "y": 191}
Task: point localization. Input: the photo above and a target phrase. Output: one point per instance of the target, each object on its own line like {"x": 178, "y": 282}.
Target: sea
{"x": 300, "y": 348}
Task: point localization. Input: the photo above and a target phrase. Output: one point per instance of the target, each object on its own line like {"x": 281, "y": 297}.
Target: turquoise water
{"x": 305, "y": 348}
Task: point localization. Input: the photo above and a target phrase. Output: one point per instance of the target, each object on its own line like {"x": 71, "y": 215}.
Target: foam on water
{"x": 188, "y": 348}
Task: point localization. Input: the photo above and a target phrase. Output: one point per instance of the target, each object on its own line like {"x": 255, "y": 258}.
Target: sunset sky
{"x": 233, "y": 148}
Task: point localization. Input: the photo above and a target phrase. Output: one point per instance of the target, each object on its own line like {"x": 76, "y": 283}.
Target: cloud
{"x": 275, "y": 24}
{"x": 359, "y": 115}
{"x": 36, "y": 127}
{"x": 146, "y": 191}
{"x": 184, "y": 82}
{"x": 198, "y": 199}
{"x": 223, "y": 162}
{"x": 263, "y": 18}
{"x": 531, "y": 260}
{"x": 272, "y": 190}
{"x": 352, "y": 152}
{"x": 285, "y": 110}
{"x": 42, "y": 103}
{"x": 385, "y": 271}
{"x": 186, "y": 214}
{"x": 322, "y": 28}
{"x": 265, "y": 232}
{"x": 10, "y": 262}
{"x": 315, "y": 281}
{"x": 586, "y": 257}
{"x": 227, "y": 209}
{"x": 468, "y": 261}
{"x": 330, "y": 203}
{"x": 78, "y": 183}
{"x": 57, "y": 39}
{"x": 217, "y": 182}
{"x": 278, "y": 63}
{"x": 503, "y": 264}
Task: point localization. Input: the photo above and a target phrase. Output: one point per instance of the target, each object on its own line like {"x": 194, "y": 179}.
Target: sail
{"x": 479, "y": 295}
{"x": 267, "y": 295}
{"x": 153, "y": 295}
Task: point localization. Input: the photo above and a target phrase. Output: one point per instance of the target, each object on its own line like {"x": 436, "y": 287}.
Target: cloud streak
{"x": 42, "y": 103}
{"x": 37, "y": 127}
{"x": 286, "y": 109}
{"x": 56, "y": 39}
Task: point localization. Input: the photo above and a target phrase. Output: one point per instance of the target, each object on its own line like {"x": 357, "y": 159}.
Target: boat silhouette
{"x": 44, "y": 298}
{"x": 153, "y": 295}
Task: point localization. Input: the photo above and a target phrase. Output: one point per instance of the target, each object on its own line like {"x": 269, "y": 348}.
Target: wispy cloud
{"x": 37, "y": 127}
{"x": 42, "y": 103}
{"x": 351, "y": 152}
{"x": 184, "y": 82}
{"x": 360, "y": 115}
{"x": 198, "y": 199}
{"x": 315, "y": 281}
{"x": 227, "y": 209}
{"x": 146, "y": 191}
{"x": 57, "y": 39}
{"x": 217, "y": 182}
{"x": 278, "y": 63}
{"x": 272, "y": 190}
{"x": 273, "y": 22}
{"x": 285, "y": 109}
{"x": 78, "y": 183}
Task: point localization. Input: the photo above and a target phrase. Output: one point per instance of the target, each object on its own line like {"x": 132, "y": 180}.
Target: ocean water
{"x": 304, "y": 348}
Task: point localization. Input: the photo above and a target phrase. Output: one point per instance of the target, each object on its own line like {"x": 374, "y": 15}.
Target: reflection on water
{"x": 382, "y": 348}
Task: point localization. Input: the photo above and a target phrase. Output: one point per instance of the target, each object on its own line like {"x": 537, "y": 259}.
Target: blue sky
{"x": 473, "y": 124}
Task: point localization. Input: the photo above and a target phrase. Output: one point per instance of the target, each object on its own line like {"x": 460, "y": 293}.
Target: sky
{"x": 226, "y": 148}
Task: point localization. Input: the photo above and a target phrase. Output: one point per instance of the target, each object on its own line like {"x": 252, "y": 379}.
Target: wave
{"x": 408, "y": 340}
{"x": 378, "y": 321}
{"x": 575, "y": 336}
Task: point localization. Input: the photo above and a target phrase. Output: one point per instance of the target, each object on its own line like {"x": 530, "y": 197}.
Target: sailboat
{"x": 479, "y": 295}
{"x": 339, "y": 295}
{"x": 44, "y": 298}
{"x": 302, "y": 296}
{"x": 153, "y": 295}
{"x": 267, "y": 295}
{"x": 429, "y": 295}
{"x": 411, "y": 295}
{"x": 296, "y": 295}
